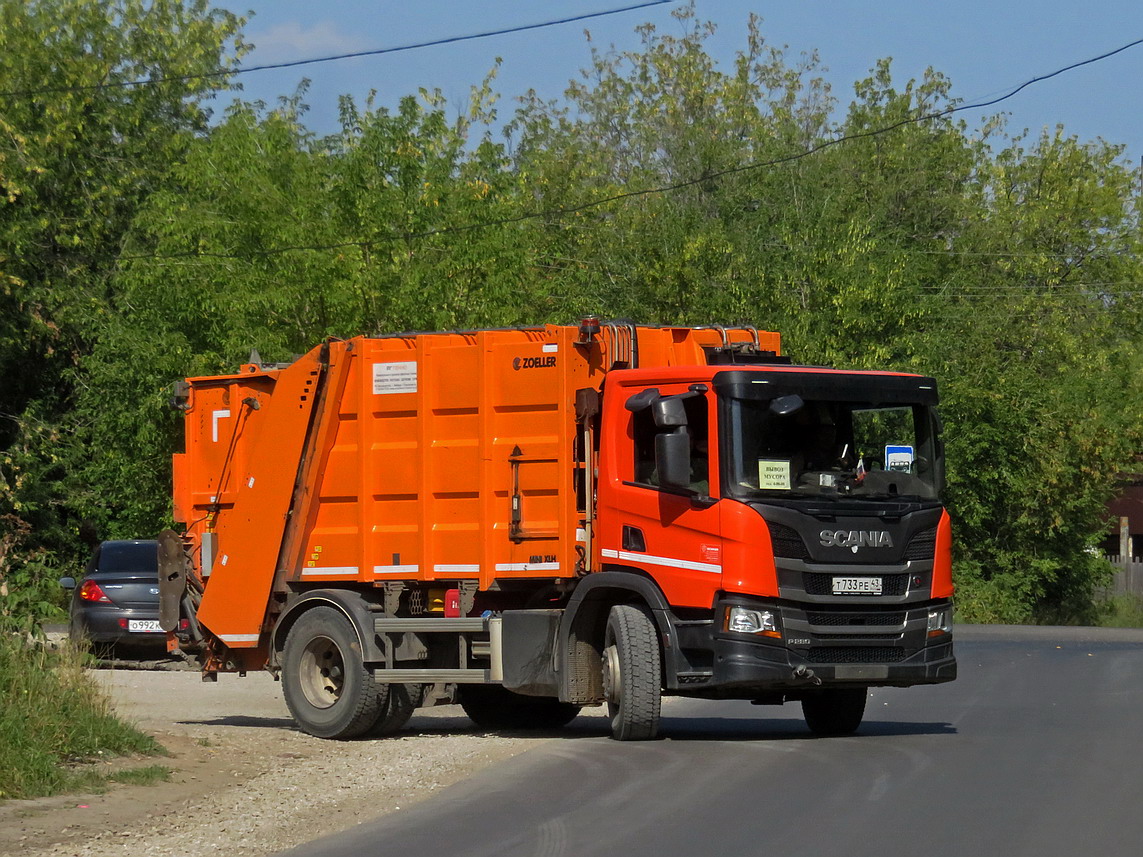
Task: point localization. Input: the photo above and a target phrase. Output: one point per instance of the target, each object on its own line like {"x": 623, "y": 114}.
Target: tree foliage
{"x": 81, "y": 146}
{"x": 141, "y": 244}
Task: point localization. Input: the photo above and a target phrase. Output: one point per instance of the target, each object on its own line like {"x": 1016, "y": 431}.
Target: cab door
{"x": 657, "y": 505}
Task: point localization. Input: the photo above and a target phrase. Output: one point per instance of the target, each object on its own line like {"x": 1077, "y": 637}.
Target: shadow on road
{"x": 420, "y": 725}
{"x": 673, "y": 728}
{"x": 764, "y": 729}
{"x": 245, "y": 720}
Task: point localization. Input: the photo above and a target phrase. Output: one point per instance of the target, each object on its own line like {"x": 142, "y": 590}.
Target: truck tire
{"x": 490, "y": 706}
{"x": 632, "y": 681}
{"x": 400, "y": 701}
{"x": 327, "y": 688}
{"x": 835, "y": 711}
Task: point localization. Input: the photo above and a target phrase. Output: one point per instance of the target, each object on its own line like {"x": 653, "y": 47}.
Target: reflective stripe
{"x": 456, "y": 569}
{"x": 527, "y": 566}
{"x": 669, "y": 562}
{"x": 340, "y": 571}
{"x": 396, "y": 569}
{"x": 239, "y": 638}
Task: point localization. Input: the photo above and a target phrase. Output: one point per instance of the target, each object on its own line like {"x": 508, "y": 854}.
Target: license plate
{"x": 857, "y": 586}
{"x": 144, "y": 626}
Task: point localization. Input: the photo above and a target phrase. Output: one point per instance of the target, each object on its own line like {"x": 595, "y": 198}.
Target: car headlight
{"x": 743, "y": 620}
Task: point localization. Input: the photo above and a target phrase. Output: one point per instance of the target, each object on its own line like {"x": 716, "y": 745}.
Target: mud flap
{"x": 172, "y": 581}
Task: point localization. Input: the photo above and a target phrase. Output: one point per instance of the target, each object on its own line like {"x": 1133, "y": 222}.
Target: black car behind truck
{"x": 116, "y": 600}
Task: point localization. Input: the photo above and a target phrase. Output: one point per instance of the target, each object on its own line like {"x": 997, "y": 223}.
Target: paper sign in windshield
{"x": 774, "y": 474}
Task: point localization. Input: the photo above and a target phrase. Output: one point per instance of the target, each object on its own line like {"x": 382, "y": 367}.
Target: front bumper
{"x": 852, "y": 645}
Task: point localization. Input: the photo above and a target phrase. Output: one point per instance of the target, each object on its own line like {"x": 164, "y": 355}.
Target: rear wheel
{"x": 491, "y": 706}
{"x": 835, "y": 711}
{"x": 632, "y": 673}
{"x": 400, "y": 701}
{"x": 328, "y": 690}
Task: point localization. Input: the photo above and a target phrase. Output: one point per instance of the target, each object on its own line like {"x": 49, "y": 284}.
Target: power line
{"x": 1055, "y": 73}
{"x": 561, "y": 212}
{"x": 662, "y": 189}
{"x": 522, "y": 28}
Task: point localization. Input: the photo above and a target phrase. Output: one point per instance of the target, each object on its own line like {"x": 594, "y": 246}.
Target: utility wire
{"x": 48, "y": 90}
{"x": 662, "y": 189}
{"x": 1055, "y": 73}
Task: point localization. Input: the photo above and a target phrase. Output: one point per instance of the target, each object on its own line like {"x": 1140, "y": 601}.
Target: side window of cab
{"x": 645, "y": 431}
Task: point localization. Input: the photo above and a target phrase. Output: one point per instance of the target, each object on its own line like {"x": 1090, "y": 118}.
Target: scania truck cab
{"x": 810, "y": 497}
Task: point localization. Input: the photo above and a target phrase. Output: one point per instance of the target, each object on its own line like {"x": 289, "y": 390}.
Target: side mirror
{"x": 67, "y": 582}
{"x": 643, "y": 399}
{"x": 669, "y": 412}
{"x": 783, "y": 406}
{"x": 673, "y": 459}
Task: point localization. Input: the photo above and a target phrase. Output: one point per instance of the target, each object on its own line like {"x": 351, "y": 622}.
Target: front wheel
{"x": 328, "y": 690}
{"x": 835, "y": 711}
{"x": 632, "y": 673}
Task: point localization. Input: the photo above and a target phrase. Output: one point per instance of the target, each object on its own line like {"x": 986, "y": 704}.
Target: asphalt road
{"x": 1037, "y": 749}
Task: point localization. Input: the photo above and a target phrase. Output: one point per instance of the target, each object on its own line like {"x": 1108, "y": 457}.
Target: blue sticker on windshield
{"x": 899, "y": 458}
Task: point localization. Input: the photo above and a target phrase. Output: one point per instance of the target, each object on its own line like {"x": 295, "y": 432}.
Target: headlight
{"x": 742, "y": 620}
{"x": 940, "y": 621}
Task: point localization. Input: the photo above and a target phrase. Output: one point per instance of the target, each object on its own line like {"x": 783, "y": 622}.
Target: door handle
{"x": 633, "y": 539}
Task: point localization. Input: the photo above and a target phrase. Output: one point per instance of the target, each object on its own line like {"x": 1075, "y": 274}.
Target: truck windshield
{"x": 830, "y": 448}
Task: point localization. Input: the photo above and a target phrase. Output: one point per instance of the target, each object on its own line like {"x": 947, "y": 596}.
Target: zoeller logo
{"x": 519, "y": 363}
{"x": 854, "y": 539}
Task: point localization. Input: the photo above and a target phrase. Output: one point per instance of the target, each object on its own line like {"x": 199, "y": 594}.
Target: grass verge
{"x": 1120, "y": 611}
{"x": 53, "y": 719}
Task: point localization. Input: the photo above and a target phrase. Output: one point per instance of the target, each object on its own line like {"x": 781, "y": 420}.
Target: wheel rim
{"x": 612, "y": 675}
{"x": 321, "y": 672}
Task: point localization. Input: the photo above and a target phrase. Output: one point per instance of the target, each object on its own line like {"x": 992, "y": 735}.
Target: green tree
{"x": 662, "y": 188}
{"x": 81, "y": 145}
{"x": 1008, "y": 273}
{"x": 266, "y": 238}
{"x": 1037, "y": 347}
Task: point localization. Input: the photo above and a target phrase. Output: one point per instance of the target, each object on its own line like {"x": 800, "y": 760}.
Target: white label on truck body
{"x": 215, "y": 416}
{"x": 389, "y": 378}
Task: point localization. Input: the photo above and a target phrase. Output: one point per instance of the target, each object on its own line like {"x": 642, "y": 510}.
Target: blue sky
{"x": 985, "y": 48}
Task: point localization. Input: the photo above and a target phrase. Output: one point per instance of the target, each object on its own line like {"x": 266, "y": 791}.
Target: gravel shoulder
{"x": 245, "y": 781}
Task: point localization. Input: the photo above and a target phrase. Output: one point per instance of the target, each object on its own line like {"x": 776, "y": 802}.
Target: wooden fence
{"x": 1128, "y": 576}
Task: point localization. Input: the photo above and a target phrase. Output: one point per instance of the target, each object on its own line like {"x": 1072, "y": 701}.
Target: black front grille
{"x": 923, "y": 545}
{"x": 822, "y": 584}
{"x": 855, "y": 655}
{"x": 857, "y": 619}
{"x": 831, "y": 636}
{"x": 786, "y": 542}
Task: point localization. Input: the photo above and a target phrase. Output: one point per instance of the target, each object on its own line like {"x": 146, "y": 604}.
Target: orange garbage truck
{"x": 529, "y": 521}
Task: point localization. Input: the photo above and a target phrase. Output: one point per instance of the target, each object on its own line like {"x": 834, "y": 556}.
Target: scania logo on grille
{"x": 854, "y": 539}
